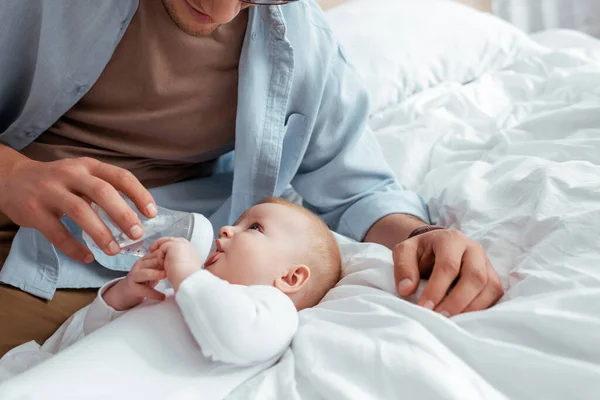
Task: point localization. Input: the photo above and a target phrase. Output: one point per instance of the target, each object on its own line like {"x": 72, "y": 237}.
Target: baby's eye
{"x": 255, "y": 226}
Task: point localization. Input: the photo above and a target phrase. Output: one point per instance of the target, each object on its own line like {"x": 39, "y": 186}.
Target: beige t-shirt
{"x": 163, "y": 108}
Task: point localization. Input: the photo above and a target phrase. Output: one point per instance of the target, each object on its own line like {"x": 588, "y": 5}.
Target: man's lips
{"x": 199, "y": 15}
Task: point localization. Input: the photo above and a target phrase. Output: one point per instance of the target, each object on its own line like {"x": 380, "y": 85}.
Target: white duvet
{"x": 512, "y": 160}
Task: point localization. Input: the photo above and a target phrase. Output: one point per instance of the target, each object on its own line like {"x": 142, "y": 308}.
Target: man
{"x": 98, "y": 98}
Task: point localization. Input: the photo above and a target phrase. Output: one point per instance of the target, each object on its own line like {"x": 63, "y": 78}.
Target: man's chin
{"x": 186, "y": 22}
{"x": 195, "y": 29}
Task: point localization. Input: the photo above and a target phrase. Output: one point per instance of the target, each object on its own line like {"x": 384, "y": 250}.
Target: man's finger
{"x": 406, "y": 267}
{"x": 447, "y": 265}
{"x": 109, "y": 199}
{"x": 490, "y": 295}
{"x": 84, "y": 216}
{"x": 125, "y": 182}
{"x": 472, "y": 281}
{"x": 57, "y": 234}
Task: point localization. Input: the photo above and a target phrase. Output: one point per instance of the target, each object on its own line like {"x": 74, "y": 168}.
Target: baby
{"x": 275, "y": 244}
{"x": 240, "y": 304}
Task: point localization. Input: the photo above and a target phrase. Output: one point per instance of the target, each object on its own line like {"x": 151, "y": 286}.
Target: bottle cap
{"x": 202, "y": 237}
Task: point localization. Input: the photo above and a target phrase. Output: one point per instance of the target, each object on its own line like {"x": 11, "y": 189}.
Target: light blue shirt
{"x": 301, "y": 122}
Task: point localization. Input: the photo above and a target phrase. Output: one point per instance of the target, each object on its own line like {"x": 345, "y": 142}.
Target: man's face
{"x": 202, "y": 17}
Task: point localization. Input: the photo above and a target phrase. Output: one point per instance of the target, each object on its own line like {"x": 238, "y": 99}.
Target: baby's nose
{"x": 226, "y": 232}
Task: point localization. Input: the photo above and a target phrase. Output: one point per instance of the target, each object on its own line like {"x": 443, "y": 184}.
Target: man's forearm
{"x": 393, "y": 229}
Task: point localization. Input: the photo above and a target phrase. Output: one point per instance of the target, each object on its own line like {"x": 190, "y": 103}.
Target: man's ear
{"x": 294, "y": 279}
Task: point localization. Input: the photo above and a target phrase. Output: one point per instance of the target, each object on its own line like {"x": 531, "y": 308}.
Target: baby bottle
{"x": 168, "y": 223}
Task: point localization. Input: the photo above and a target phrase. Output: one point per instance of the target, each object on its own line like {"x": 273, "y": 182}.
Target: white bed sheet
{"x": 513, "y": 160}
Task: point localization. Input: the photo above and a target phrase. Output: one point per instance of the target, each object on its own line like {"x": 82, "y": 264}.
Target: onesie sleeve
{"x": 236, "y": 324}
{"x": 99, "y": 313}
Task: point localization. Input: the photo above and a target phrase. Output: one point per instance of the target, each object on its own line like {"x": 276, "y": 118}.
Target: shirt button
{"x": 254, "y": 35}
{"x": 81, "y": 89}
{"x": 30, "y": 133}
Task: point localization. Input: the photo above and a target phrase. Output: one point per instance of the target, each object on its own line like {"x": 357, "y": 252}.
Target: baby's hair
{"x": 324, "y": 259}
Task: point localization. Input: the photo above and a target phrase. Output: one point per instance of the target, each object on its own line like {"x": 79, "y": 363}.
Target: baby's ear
{"x": 294, "y": 279}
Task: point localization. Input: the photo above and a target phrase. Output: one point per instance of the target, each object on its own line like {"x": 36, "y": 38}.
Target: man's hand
{"x": 461, "y": 277}
{"x": 178, "y": 257}
{"x": 137, "y": 285}
{"x": 37, "y": 194}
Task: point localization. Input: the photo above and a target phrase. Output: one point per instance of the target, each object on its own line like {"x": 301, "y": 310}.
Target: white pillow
{"x": 401, "y": 47}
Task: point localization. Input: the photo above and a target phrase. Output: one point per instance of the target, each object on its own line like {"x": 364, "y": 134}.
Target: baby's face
{"x": 265, "y": 242}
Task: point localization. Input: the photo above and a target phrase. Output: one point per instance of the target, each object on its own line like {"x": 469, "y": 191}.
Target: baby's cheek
{"x": 232, "y": 274}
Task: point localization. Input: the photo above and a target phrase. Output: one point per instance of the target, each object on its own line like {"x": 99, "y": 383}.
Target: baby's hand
{"x": 178, "y": 257}
{"x": 137, "y": 285}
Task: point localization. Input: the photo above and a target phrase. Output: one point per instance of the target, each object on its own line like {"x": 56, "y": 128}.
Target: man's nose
{"x": 224, "y": 11}
{"x": 227, "y": 232}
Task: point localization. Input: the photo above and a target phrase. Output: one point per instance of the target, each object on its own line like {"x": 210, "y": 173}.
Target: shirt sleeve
{"x": 99, "y": 313}
{"x": 344, "y": 177}
{"x": 236, "y": 324}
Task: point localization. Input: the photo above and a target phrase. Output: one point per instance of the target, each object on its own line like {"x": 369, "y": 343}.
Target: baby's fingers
{"x": 150, "y": 293}
{"x": 151, "y": 256}
{"x": 160, "y": 242}
{"x": 147, "y": 274}
{"x": 149, "y": 263}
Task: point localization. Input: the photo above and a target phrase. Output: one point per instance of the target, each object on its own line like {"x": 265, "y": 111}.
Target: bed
{"x": 500, "y": 132}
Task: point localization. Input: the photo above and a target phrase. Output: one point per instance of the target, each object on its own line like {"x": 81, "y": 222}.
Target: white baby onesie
{"x": 200, "y": 343}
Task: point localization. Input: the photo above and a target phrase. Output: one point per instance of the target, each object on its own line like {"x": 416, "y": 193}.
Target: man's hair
{"x": 323, "y": 259}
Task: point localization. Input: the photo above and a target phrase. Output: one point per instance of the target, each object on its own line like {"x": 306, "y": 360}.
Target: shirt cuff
{"x": 360, "y": 217}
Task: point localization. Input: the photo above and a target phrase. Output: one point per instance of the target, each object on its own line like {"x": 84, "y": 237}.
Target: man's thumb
{"x": 406, "y": 268}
